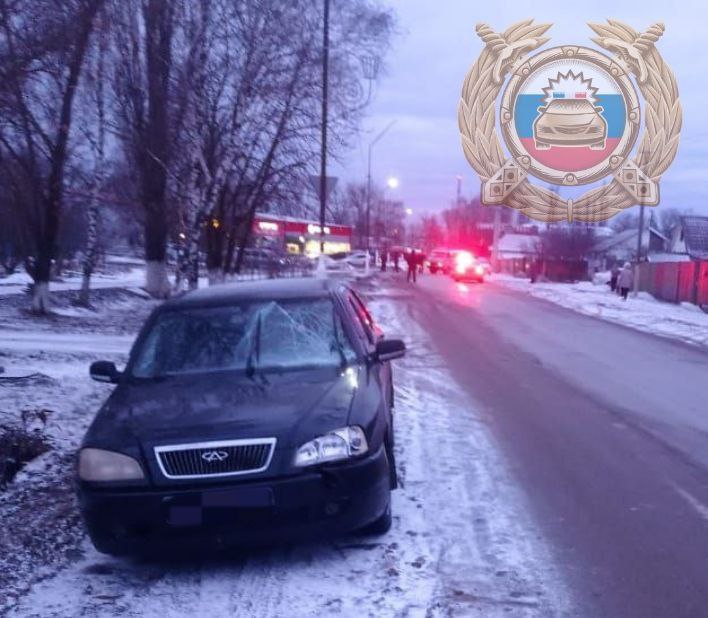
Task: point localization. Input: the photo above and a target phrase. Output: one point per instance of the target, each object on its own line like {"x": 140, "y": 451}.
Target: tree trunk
{"x": 53, "y": 203}
{"x": 92, "y": 214}
{"x": 216, "y": 276}
{"x": 155, "y": 149}
{"x": 90, "y": 256}
{"x": 156, "y": 281}
{"x": 40, "y": 297}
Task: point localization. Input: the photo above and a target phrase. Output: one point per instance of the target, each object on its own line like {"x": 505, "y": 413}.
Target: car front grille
{"x": 572, "y": 130}
{"x": 214, "y": 459}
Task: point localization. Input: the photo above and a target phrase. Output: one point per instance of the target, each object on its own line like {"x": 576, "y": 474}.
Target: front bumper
{"x": 326, "y": 501}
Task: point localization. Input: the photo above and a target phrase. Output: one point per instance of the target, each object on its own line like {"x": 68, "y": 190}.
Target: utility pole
{"x": 325, "y": 96}
{"x": 459, "y": 191}
{"x": 495, "y": 238}
{"x": 635, "y": 292}
{"x": 368, "y": 183}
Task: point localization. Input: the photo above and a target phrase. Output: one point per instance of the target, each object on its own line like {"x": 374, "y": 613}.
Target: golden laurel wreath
{"x": 635, "y": 52}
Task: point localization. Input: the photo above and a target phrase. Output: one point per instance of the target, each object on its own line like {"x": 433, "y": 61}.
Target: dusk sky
{"x": 437, "y": 44}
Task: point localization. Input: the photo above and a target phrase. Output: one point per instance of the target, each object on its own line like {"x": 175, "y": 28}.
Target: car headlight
{"x": 333, "y": 446}
{"x": 98, "y": 465}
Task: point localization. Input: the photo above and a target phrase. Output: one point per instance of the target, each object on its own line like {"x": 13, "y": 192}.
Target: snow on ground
{"x": 40, "y": 528}
{"x": 462, "y": 542}
{"x": 132, "y": 277}
{"x": 685, "y": 322}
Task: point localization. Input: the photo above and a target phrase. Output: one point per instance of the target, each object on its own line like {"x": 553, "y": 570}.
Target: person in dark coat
{"x": 395, "y": 256}
{"x": 412, "y": 262}
{"x": 384, "y": 260}
{"x": 614, "y": 275}
{"x": 420, "y": 259}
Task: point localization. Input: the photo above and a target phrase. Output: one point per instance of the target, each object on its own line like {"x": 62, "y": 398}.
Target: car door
{"x": 373, "y": 334}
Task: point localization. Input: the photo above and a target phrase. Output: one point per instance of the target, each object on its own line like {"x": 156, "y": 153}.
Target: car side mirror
{"x": 390, "y": 349}
{"x": 104, "y": 371}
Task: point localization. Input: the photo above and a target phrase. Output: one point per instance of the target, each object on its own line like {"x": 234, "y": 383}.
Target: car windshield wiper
{"x": 255, "y": 350}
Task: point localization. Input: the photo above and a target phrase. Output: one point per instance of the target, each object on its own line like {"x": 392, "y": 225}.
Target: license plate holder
{"x": 198, "y": 508}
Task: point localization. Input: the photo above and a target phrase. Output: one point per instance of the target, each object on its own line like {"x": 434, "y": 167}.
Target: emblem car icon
{"x": 570, "y": 122}
{"x": 214, "y": 456}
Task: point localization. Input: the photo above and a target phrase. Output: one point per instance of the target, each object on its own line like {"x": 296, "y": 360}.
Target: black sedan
{"x": 247, "y": 414}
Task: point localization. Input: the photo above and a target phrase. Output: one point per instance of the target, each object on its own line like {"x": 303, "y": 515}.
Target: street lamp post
{"x": 368, "y": 184}
{"x": 325, "y": 94}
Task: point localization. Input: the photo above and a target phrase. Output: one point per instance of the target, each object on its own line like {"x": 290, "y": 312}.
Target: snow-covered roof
{"x": 516, "y": 245}
{"x": 695, "y": 234}
{"x": 623, "y": 237}
{"x": 668, "y": 257}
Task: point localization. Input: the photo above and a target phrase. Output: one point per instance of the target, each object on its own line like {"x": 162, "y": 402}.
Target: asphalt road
{"x": 605, "y": 429}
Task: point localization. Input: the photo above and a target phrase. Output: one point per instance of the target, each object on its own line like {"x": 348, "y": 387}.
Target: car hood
{"x": 292, "y": 407}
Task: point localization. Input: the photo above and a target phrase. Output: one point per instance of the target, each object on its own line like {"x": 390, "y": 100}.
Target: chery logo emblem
{"x": 212, "y": 456}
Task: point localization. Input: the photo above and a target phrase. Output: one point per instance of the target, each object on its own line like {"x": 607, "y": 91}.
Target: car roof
{"x": 263, "y": 289}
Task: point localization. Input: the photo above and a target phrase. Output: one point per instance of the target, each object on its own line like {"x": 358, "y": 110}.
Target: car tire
{"x": 542, "y": 146}
{"x": 381, "y": 525}
{"x": 391, "y": 458}
{"x": 597, "y": 146}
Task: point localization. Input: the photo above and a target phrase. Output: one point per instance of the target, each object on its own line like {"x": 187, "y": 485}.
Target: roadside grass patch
{"x": 19, "y": 446}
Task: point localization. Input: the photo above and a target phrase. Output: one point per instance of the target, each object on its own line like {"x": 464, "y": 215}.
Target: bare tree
{"x": 569, "y": 242}
{"x": 98, "y": 147}
{"x": 147, "y": 122}
{"x": 669, "y": 218}
{"x": 252, "y": 134}
{"x": 44, "y": 46}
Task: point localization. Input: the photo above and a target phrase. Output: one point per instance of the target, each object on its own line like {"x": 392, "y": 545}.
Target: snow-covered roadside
{"x": 685, "y": 322}
{"x": 40, "y": 530}
{"x": 131, "y": 277}
{"x": 462, "y": 542}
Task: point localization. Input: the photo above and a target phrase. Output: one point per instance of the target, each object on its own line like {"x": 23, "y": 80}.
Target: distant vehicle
{"x": 261, "y": 258}
{"x": 570, "y": 122}
{"x": 467, "y": 268}
{"x": 484, "y": 263}
{"x": 247, "y": 413}
{"x": 441, "y": 260}
{"x": 358, "y": 259}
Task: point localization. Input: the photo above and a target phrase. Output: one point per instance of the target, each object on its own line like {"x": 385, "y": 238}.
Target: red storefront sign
{"x": 273, "y": 226}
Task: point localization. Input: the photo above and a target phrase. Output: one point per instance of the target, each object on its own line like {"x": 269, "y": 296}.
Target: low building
{"x": 680, "y": 273}
{"x": 615, "y": 250}
{"x": 690, "y": 237}
{"x": 300, "y": 236}
{"x": 515, "y": 252}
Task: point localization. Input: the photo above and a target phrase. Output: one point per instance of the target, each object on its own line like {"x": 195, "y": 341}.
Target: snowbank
{"x": 684, "y": 322}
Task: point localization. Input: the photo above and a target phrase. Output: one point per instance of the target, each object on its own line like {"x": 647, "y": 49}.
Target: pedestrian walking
{"x": 412, "y": 262}
{"x": 614, "y": 274}
{"x": 384, "y": 260}
{"x": 625, "y": 280}
{"x": 395, "y": 256}
{"x": 420, "y": 260}
{"x": 534, "y": 270}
